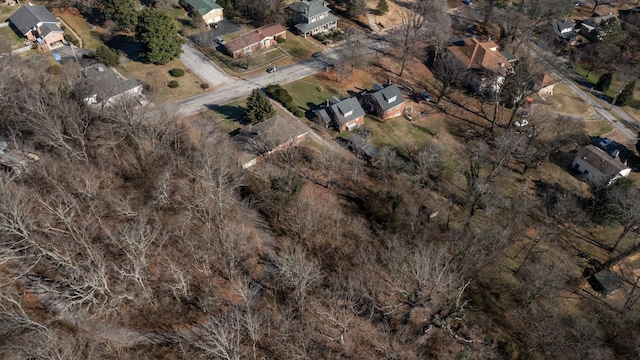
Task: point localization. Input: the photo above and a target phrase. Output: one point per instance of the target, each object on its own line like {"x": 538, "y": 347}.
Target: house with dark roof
{"x": 385, "y": 102}
{"x": 361, "y": 147}
{"x": 260, "y": 38}
{"x": 346, "y": 114}
{"x": 310, "y": 17}
{"x": 210, "y": 11}
{"x": 599, "y": 167}
{"x": 594, "y": 28}
{"x": 486, "y": 65}
{"x": 565, "y": 29}
{"x": 104, "y": 87}
{"x": 37, "y": 24}
{"x": 258, "y": 141}
{"x": 606, "y": 282}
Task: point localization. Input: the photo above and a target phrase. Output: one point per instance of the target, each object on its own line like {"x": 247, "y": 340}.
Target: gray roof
{"x": 346, "y": 110}
{"x": 47, "y": 28}
{"x": 308, "y": 27}
{"x": 264, "y": 137}
{"x": 313, "y": 7}
{"x": 606, "y": 282}
{"x": 360, "y": 144}
{"x": 322, "y": 116}
{"x": 105, "y": 83}
{"x": 28, "y": 16}
{"x": 565, "y": 29}
{"x": 384, "y": 96}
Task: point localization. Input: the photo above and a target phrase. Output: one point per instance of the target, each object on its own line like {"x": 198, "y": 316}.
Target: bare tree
{"x": 298, "y": 275}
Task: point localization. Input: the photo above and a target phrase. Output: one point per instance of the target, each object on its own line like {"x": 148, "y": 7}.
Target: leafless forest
{"x": 127, "y": 234}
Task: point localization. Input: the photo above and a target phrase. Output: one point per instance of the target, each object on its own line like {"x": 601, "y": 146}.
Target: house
{"x": 605, "y": 282}
{"x": 385, "y": 102}
{"x": 311, "y": 17}
{"x": 210, "y": 11}
{"x": 361, "y": 147}
{"x": 260, "y": 38}
{"x": 590, "y": 26}
{"x": 104, "y": 87}
{"x": 263, "y": 139}
{"x": 603, "y": 10}
{"x": 599, "y": 167}
{"x": 543, "y": 84}
{"x": 486, "y": 65}
{"x": 565, "y": 29}
{"x": 322, "y": 117}
{"x": 346, "y": 114}
{"x": 37, "y": 24}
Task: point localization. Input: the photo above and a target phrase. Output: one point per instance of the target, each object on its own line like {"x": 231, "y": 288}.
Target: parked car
{"x": 408, "y": 116}
{"x": 604, "y": 143}
{"x": 272, "y": 69}
{"x": 521, "y": 123}
{"x": 317, "y": 54}
{"x": 421, "y": 97}
{"x": 220, "y": 41}
{"x": 467, "y": 2}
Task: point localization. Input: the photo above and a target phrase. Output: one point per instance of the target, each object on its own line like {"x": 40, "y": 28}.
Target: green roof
{"x": 204, "y": 6}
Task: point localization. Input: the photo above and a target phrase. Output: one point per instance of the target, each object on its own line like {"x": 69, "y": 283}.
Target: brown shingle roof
{"x": 254, "y": 37}
{"x": 480, "y": 55}
{"x": 601, "y": 160}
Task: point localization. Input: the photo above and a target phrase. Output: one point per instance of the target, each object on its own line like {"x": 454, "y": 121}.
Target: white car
{"x": 521, "y": 123}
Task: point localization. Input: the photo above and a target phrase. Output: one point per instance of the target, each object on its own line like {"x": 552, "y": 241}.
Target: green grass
{"x": 11, "y": 37}
{"x": 312, "y": 92}
{"x": 403, "y": 135}
{"x": 90, "y": 40}
{"x": 298, "y": 47}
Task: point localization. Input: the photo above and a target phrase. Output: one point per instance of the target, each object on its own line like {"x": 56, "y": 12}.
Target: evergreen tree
{"x": 626, "y": 95}
{"x": 158, "y": 36}
{"x": 604, "y": 82}
{"x": 382, "y": 7}
{"x": 258, "y": 108}
{"x": 122, "y": 12}
{"x": 106, "y": 55}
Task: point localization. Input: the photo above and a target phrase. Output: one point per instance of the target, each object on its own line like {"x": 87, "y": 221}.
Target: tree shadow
{"x": 234, "y": 113}
{"x": 126, "y": 44}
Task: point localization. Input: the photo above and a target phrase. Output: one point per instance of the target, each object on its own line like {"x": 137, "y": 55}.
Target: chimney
{"x": 388, "y": 81}
{"x": 327, "y": 102}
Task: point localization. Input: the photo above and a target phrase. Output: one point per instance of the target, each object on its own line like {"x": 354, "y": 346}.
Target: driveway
{"x": 203, "y": 67}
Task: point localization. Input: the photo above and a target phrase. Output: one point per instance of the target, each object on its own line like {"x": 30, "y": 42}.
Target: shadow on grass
{"x": 127, "y": 45}
{"x": 234, "y": 113}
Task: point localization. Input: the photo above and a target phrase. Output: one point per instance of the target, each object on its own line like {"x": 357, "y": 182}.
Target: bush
{"x": 280, "y": 39}
{"x": 204, "y": 86}
{"x": 106, "y": 55}
{"x": 177, "y": 72}
{"x": 72, "y": 39}
{"x": 604, "y": 82}
{"x": 299, "y": 113}
{"x": 173, "y": 84}
{"x": 54, "y": 69}
{"x": 280, "y": 94}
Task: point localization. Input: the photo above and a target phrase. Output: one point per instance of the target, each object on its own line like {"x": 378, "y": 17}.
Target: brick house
{"x": 260, "y": 38}
{"x": 345, "y": 114}
{"x": 258, "y": 141}
{"x": 37, "y": 24}
{"x": 386, "y": 102}
{"x": 486, "y": 66}
{"x": 311, "y": 17}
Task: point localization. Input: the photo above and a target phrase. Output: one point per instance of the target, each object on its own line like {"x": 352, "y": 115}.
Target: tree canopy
{"x": 122, "y": 12}
{"x": 258, "y": 108}
{"x": 158, "y": 36}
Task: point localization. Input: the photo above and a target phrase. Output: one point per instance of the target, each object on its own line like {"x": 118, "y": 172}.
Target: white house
{"x": 599, "y": 167}
{"x": 105, "y": 87}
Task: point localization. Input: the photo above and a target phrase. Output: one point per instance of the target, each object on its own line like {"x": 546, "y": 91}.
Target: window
{"x": 266, "y": 43}
{"x": 391, "y": 99}
{"x": 53, "y": 36}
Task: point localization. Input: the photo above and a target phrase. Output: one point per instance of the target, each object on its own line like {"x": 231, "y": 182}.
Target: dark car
{"x": 272, "y": 69}
{"x": 421, "y": 97}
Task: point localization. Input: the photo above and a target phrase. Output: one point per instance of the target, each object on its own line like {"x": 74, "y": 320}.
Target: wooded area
{"x": 132, "y": 234}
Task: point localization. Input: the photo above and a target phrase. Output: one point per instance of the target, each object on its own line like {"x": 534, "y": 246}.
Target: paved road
{"x": 203, "y": 67}
{"x": 558, "y": 69}
{"x": 234, "y": 89}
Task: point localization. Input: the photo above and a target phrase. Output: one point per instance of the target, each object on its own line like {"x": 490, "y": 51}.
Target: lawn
{"x": 11, "y": 38}
{"x": 565, "y": 101}
{"x": 298, "y": 47}
{"x": 90, "y": 40}
{"x": 312, "y": 92}
{"x": 157, "y": 76}
{"x": 400, "y": 133}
